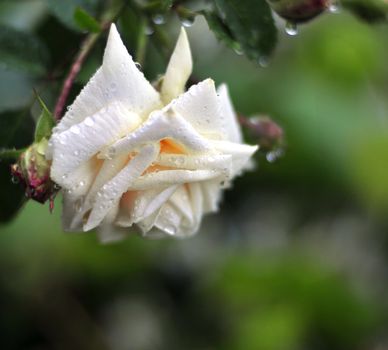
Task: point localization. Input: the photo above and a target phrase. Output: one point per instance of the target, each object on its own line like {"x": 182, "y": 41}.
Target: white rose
{"x": 126, "y": 154}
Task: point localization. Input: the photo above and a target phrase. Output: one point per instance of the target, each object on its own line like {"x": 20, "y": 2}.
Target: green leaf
{"x": 45, "y": 122}
{"x": 22, "y": 51}
{"x": 220, "y": 30}
{"x": 251, "y": 24}
{"x": 65, "y": 10}
{"x": 86, "y": 21}
{"x": 158, "y": 6}
{"x": 16, "y": 131}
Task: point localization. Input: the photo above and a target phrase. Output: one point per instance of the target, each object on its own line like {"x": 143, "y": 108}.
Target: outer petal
{"x": 193, "y": 162}
{"x": 79, "y": 143}
{"x": 178, "y": 70}
{"x": 171, "y": 177}
{"x": 200, "y": 107}
{"x": 241, "y": 154}
{"x": 169, "y": 220}
{"x": 112, "y": 191}
{"x": 180, "y": 201}
{"x": 160, "y": 125}
{"x": 118, "y": 79}
{"x": 231, "y": 124}
{"x": 150, "y": 201}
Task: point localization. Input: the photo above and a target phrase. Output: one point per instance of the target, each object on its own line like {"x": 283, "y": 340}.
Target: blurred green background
{"x": 296, "y": 258}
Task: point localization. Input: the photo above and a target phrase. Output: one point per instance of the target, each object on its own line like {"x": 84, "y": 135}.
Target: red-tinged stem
{"x": 86, "y": 47}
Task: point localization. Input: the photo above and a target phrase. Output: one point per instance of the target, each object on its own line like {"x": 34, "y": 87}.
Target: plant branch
{"x": 86, "y": 47}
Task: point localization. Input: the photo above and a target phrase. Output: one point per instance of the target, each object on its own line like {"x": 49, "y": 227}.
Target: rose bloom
{"x": 126, "y": 154}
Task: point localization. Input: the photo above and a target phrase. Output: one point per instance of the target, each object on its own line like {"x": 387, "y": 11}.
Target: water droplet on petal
{"x": 76, "y": 153}
{"x": 89, "y": 121}
{"x": 171, "y": 230}
{"x": 138, "y": 66}
{"x": 291, "y": 28}
{"x": 75, "y": 129}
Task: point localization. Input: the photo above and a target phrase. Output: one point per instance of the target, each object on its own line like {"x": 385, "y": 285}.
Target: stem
{"x": 141, "y": 43}
{"x": 86, "y": 47}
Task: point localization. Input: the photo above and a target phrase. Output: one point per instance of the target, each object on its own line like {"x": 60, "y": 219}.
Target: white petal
{"x": 70, "y": 205}
{"x": 241, "y": 154}
{"x": 171, "y": 177}
{"x": 150, "y": 201}
{"x": 200, "y": 107}
{"x": 112, "y": 191}
{"x": 231, "y": 123}
{"x": 180, "y": 201}
{"x": 79, "y": 181}
{"x": 79, "y": 143}
{"x": 146, "y": 226}
{"x": 159, "y": 126}
{"x": 178, "y": 70}
{"x": 107, "y": 171}
{"x": 211, "y": 194}
{"x": 194, "y": 162}
{"x": 196, "y": 201}
{"x": 107, "y": 233}
{"x": 169, "y": 220}
{"x": 118, "y": 79}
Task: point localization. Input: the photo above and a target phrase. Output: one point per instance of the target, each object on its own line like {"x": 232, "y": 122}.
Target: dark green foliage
{"x": 22, "y": 51}
{"x": 250, "y": 23}
{"x": 16, "y": 131}
{"x": 64, "y": 10}
{"x": 86, "y": 21}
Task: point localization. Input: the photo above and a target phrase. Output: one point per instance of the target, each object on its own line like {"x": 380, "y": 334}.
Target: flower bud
{"x": 32, "y": 170}
{"x": 297, "y": 11}
{"x": 267, "y": 133}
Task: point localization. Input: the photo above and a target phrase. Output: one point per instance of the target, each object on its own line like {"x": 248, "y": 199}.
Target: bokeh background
{"x": 296, "y": 258}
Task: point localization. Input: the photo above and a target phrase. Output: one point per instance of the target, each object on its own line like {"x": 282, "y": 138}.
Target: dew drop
{"x": 263, "y": 61}
{"x": 76, "y": 153}
{"x": 75, "y": 130}
{"x": 138, "y": 66}
{"x": 89, "y": 121}
{"x": 171, "y": 230}
{"x": 291, "y": 28}
{"x": 274, "y": 155}
{"x": 14, "y": 179}
{"x": 334, "y": 6}
{"x": 81, "y": 184}
{"x": 158, "y": 19}
{"x": 187, "y": 21}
